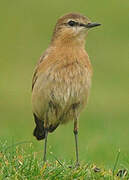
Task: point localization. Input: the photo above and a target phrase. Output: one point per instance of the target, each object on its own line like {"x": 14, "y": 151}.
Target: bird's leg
{"x": 45, "y": 145}
{"x": 46, "y": 134}
{"x": 76, "y": 140}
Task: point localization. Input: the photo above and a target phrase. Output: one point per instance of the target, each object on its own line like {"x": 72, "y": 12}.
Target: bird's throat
{"x": 66, "y": 40}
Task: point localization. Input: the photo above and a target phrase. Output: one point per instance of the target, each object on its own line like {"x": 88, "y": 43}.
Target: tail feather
{"x": 39, "y": 131}
{"x": 52, "y": 128}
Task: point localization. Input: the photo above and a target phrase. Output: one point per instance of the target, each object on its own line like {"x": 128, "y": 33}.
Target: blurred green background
{"x": 25, "y": 31}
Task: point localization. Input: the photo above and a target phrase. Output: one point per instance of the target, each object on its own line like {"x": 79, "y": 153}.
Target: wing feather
{"x": 35, "y": 74}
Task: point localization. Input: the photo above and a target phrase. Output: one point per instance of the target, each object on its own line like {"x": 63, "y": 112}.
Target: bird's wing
{"x": 35, "y": 74}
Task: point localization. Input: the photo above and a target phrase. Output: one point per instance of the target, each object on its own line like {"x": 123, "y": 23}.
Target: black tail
{"x": 39, "y": 131}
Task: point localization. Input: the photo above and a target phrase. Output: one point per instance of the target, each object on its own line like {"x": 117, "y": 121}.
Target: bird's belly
{"x": 69, "y": 92}
{"x": 71, "y": 89}
{"x": 62, "y": 90}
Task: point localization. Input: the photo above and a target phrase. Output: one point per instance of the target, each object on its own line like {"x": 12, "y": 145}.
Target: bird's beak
{"x": 91, "y": 25}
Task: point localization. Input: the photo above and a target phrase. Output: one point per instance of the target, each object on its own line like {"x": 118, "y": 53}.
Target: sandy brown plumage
{"x": 62, "y": 77}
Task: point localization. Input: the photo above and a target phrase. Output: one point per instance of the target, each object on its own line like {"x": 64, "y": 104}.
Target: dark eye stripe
{"x": 72, "y": 23}
{"x": 81, "y": 24}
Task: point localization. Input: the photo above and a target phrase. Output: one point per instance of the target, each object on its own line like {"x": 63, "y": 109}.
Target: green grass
{"x": 20, "y": 161}
{"x": 25, "y": 32}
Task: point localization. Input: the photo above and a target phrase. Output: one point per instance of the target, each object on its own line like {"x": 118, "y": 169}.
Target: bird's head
{"x": 72, "y": 26}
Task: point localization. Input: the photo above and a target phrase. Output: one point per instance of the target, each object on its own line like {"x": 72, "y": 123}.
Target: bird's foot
{"x": 77, "y": 165}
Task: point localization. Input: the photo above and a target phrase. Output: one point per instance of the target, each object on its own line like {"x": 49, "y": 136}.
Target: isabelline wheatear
{"x": 62, "y": 78}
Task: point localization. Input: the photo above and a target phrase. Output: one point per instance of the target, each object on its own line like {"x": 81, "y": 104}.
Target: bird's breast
{"x": 71, "y": 83}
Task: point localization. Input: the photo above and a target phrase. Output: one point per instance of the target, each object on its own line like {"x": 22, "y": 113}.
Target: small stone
{"x": 97, "y": 169}
{"x": 70, "y": 167}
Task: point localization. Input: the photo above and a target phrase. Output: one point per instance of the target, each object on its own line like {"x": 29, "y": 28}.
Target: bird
{"x": 62, "y": 78}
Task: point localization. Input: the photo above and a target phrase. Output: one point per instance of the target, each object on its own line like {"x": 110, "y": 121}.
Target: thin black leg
{"x": 76, "y": 146}
{"x": 76, "y": 139}
{"x": 45, "y": 146}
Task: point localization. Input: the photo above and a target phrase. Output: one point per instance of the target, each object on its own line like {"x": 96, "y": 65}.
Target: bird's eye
{"x": 72, "y": 23}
